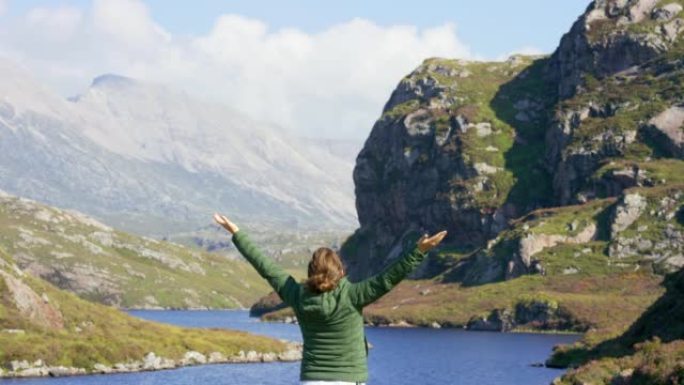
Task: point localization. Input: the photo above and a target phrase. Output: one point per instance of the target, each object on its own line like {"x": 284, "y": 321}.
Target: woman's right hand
{"x": 427, "y": 243}
{"x": 226, "y": 223}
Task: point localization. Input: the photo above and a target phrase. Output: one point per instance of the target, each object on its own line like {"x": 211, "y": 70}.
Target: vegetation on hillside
{"x": 41, "y": 322}
{"x": 650, "y": 351}
{"x": 99, "y": 263}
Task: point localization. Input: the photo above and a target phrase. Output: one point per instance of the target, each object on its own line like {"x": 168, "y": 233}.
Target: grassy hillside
{"x": 80, "y": 254}
{"x": 39, "y": 322}
{"x": 650, "y": 352}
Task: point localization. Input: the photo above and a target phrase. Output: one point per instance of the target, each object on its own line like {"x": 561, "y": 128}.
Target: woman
{"x": 328, "y": 307}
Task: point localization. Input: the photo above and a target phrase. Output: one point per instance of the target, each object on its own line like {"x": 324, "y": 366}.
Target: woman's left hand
{"x": 226, "y": 223}
{"x": 427, "y": 243}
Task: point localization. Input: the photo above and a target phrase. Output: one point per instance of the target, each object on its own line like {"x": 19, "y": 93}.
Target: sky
{"x": 316, "y": 68}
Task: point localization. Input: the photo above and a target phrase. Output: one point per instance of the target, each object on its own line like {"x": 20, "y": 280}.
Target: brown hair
{"x": 325, "y": 270}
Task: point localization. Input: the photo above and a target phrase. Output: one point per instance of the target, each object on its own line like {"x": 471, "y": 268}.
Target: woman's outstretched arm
{"x": 282, "y": 282}
{"x": 368, "y": 291}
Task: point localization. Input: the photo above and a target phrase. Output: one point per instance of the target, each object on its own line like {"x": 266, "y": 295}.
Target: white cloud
{"x": 331, "y": 83}
{"x": 54, "y": 24}
{"x": 127, "y": 22}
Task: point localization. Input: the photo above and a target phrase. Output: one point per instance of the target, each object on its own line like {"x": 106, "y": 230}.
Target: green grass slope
{"x": 79, "y": 254}
{"x": 650, "y": 352}
{"x": 39, "y": 322}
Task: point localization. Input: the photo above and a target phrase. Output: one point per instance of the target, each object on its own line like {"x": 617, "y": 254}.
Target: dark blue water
{"x": 398, "y": 357}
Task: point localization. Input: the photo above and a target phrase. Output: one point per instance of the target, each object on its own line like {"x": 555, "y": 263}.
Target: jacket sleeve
{"x": 368, "y": 291}
{"x": 282, "y": 282}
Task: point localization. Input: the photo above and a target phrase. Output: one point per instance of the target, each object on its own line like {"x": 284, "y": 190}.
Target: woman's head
{"x": 325, "y": 270}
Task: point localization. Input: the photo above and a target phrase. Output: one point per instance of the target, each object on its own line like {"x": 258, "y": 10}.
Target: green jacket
{"x": 331, "y": 322}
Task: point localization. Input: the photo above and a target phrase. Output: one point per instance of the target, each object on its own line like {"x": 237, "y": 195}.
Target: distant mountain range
{"x": 153, "y": 160}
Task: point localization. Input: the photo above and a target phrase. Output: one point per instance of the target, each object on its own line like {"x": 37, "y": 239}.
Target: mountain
{"x": 476, "y": 147}
{"x": 82, "y": 255}
{"x": 149, "y": 159}
{"x": 559, "y": 179}
{"x": 45, "y": 331}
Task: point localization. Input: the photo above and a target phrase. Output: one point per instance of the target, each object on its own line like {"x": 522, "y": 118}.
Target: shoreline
{"x": 151, "y": 362}
{"x": 397, "y": 325}
{"x": 403, "y": 324}
{"x": 159, "y": 308}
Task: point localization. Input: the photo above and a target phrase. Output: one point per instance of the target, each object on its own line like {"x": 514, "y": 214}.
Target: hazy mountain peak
{"x": 126, "y": 146}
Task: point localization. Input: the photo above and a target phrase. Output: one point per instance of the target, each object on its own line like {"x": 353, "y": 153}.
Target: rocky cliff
{"x": 492, "y": 151}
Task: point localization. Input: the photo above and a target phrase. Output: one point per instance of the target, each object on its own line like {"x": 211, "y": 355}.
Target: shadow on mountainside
{"x": 525, "y": 103}
{"x": 663, "y": 320}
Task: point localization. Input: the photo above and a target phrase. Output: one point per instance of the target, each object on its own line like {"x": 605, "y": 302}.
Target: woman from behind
{"x": 328, "y": 307}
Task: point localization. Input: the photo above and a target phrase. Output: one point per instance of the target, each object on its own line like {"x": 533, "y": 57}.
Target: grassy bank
{"x": 39, "y": 322}
{"x": 580, "y": 302}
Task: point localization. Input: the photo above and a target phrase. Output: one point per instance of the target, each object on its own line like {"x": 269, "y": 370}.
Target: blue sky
{"x": 317, "y": 68}
{"x": 491, "y": 28}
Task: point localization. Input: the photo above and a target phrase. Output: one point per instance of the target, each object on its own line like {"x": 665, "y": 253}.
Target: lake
{"x": 399, "y": 357}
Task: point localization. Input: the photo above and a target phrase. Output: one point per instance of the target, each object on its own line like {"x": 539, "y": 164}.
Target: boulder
{"x": 61, "y": 371}
{"x": 151, "y": 361}
{"x": 532, "y": 243}
{"x": 666, "y": 12}
{"x": 668, "y": 129}
{"x": 216, "y": 357}
{"x": 497, "y": 321}
{"x": 31, "y": 305}
{"x": 626, "y": 212}
{"x": 292, "y": 353}
{"x": 102, "y": 368}
{"x": 193, "y": 358}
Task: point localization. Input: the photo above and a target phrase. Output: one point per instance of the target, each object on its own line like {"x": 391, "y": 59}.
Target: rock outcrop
{"x": 523, "y": 261}
{"x": 607, "y": 39}
{"x": 35, "y": 308}
{"x": 648, "y": 227}
{"x": 613, "y": 69}
{"x": 668, "y": 128}
{"x": 529, "y": 313}
{"x": 627, "y": 212}
{"x": 438, "y": 157}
